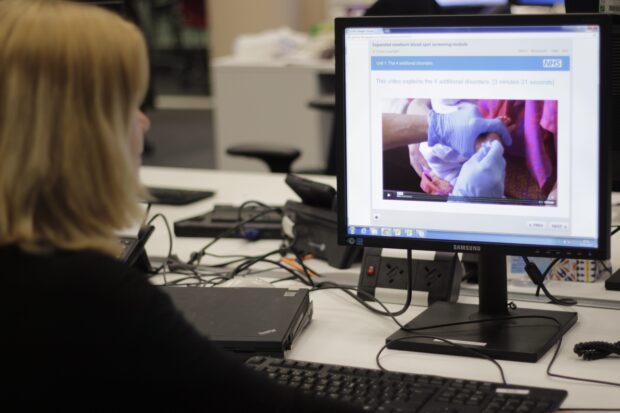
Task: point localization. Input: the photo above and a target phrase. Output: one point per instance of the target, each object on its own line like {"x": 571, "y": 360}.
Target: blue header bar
{"x": 478, "y": 29}
{"x": 477, "y": 63}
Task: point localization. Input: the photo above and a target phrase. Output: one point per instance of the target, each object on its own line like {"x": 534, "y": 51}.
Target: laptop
{"x": 246, "y": 321}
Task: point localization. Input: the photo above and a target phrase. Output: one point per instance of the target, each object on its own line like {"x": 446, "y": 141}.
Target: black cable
{"x": 409, "y": 285}
{"x": 146, "y": 214}
{"x": 302, "y": 264}
{"x": 237, "y": 257}
{"x": 252, "y": 202}
{"x": 604, "y": 265}
{"x": 561, "y": 376}
{"x": 616, "y": 229}
{"x": 538, "y": 279}
{"x": 465, "y": 349}
{"x": 215, "y": 279}
{"x": 330, "y": 285}
{"x": 195, "y": 257}
{"x": 546, "y": 272}
{"x": 170, "y": 240}
{"x": 595, "y": 350}
{"x": 283, "y": 279}
{"x": 348, "y": 290}
{"x": 386, "y": 312}
{"x": 263, "y": 258}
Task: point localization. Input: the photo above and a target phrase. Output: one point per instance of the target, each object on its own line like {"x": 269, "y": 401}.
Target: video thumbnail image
{"x": 470, "y": 150}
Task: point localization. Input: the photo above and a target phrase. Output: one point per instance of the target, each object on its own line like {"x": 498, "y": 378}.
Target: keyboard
{"x": 377, "y": 391}
{"x": 172, "y": 196}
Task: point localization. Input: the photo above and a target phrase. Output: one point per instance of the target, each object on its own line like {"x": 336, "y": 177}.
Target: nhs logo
{"x": 552, "y": 63}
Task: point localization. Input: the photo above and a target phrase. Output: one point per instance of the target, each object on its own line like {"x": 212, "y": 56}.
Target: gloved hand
{"x": 460, "y": 129}
{"x": 483, "y": 174}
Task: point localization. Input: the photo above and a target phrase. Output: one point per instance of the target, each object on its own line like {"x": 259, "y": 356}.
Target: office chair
{"x": 280, "y": 158}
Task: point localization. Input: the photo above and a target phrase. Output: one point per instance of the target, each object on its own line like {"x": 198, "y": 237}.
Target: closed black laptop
{"x": 246, "y": 321}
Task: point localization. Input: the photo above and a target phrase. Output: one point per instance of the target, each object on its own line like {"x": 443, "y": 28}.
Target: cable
{"x": 549, "y": 373}
{"x": 465, "y": 349}
{"x": 561, "y": 376}
{"x": 538, "y": 279}
{"x": 604, "y": 265}
{"x": 263, "y": 258}
{"x": 546, "y": 272}
{"x": 251, "y": 202}
{"x": 146, "y": 214}
{"x": 195, "y": 257}
{"x": 386, "y": 312}
{"x": 170, "y": 240}
{"x": 595, "y": 350}
{"x": 616, "y": 228}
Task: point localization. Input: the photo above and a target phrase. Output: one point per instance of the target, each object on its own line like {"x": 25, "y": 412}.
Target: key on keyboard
{"x": 377, "y": 391}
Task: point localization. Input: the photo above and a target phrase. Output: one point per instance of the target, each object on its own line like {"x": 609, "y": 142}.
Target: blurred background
{"x": 230, "y": 72}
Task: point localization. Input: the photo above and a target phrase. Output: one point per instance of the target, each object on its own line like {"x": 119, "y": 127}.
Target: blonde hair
{"x": 71, "y": 78}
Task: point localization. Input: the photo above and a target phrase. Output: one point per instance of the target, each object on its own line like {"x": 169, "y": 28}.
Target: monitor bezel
{"x": 605, "y": 114}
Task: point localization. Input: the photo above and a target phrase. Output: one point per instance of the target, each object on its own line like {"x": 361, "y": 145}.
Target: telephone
{"x": 133, "y": 253}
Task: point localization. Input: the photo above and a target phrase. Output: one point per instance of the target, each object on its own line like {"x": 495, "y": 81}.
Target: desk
{"x": 342, "y": 332}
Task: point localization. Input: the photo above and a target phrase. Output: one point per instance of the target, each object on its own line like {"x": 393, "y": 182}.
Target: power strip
{"x": 441, "y": 278}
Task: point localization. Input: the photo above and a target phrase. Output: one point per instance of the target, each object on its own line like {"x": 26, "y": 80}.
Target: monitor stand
{"x": 522, "y": 339}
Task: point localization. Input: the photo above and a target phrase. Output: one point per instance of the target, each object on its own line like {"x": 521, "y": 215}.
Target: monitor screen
{"x": 538, "y": 2}
{"x": 592, "y": 6}
{"x": 471, "y": 3}
{"x": 484, "y": 134}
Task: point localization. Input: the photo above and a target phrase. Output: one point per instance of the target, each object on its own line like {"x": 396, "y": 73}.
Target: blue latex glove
{"x": 483, "y": 174}
{"x": 460, "y": 129}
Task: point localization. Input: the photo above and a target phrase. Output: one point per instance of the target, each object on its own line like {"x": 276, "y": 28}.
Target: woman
{"x": 81, "y": 330}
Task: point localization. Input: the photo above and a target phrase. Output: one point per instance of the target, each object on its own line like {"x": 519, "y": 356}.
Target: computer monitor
{"x": 592, "y": 6}
{"x": 538, "y": 2}
{"x": 432, "y": 87}
{"x": 471, "y": 3}
{"x": 473, "y": 6}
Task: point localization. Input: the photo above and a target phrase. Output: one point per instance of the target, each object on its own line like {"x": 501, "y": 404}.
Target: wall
{"x": 229, "y": 18}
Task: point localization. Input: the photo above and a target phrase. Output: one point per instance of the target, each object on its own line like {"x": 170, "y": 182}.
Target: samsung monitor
{"x": 471, "y": 3}
{"x": 581, "y": 6}
{"x": 538, "y": 2}
{"x": 483, "y": 134}
{"x": 592, "y": 6}
{"x": 473, "y": 6}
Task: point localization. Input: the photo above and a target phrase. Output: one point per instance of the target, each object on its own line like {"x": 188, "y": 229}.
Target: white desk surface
{"x": 343, "y": 332}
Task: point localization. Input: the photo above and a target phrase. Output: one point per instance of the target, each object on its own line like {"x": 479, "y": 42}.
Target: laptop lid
{"x": 245, "y": 319}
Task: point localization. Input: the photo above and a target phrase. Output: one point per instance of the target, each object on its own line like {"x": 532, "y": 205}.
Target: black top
{"x": 81, "y": 330}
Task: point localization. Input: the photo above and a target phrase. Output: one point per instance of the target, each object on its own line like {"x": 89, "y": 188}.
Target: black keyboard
{"x": 377, "y": 391}
{"x": 173, "y": 196}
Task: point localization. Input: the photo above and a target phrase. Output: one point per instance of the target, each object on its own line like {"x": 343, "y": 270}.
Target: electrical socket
{"x": 441, "y": 277}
